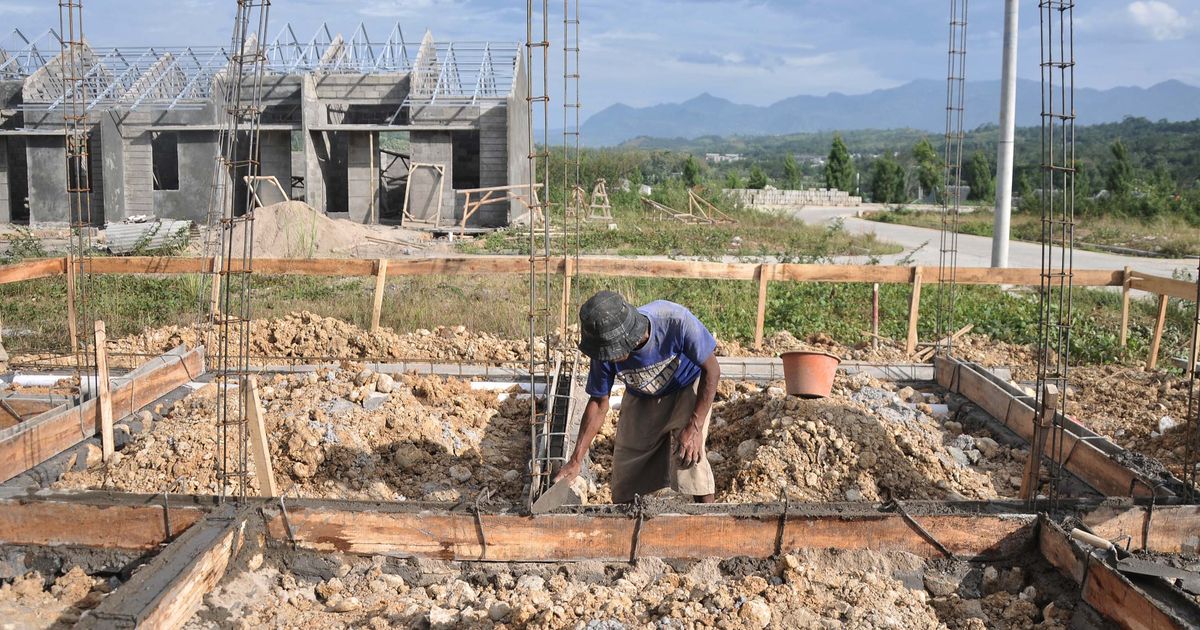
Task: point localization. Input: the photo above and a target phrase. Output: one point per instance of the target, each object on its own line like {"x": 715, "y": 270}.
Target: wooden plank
{"x": 1126, "y": 287}
{"x": 1181, "y": 289}
{"x": 1115, "y": 597}
{"x": 560, "y": 537}
{"x": 76, "y": 523}
{"x": 256, "y": 420}
{"x": 1058, "y": 549}
{"x": 1159, "y": 324}
{"x": 28, "y": 407}
{"x": 764, "y": 273}
{"x": 380, "y": 288}
{"x": 166, "y": 592}
{"x": 1165, "y": 529}
{"x": 26, "y": 445}
{"x": 1083, "y": 459}
{"x": 887, "y": 274}
{"x": 103, "y": 394}
{"x": 914, "y": 311}
{"x": 147, "y": 265}
{"x": 32, "y": 270}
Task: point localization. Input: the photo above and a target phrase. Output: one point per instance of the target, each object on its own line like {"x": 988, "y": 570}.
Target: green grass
{"x": 34, "y": 312}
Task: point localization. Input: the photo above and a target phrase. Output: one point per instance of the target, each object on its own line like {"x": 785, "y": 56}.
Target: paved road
{"x": 922, "y": 245}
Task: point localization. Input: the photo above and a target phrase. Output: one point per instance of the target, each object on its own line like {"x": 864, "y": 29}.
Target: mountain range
{"x": 918, "y": 105}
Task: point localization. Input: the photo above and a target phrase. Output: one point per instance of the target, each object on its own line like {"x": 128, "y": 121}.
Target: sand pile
{"x": 293, "y": 229}
{"x": 306, "y": 334}
{"x": 806, "y": 590}
{"x": 865, "y": 443}
{"x": 29, "y": 602}
{"x": 342, "y": 433}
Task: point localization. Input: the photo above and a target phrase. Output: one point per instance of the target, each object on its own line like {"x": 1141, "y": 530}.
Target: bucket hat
{"x": 610, "y": 327}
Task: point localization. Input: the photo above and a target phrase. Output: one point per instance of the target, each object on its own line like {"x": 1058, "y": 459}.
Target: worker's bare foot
{"x": 705, "y": 498}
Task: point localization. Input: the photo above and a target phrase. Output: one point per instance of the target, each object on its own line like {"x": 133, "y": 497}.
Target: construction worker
{"x": 666, "y": 359}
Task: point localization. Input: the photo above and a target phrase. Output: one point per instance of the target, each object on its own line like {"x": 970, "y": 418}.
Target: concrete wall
{"x": 47, "y": 179}
{"x": 113, "y": 167}
{"x": 197, "y": 162}
{"x": 355, "y": 89}
{"x": 5, "y": 216}
{"x": 139, "y": 173}
{"x": 362, "y": 168}
{"x": 776, "y": 199}
{"x": 314, "y": 148}
{"x": 431, "y": 147}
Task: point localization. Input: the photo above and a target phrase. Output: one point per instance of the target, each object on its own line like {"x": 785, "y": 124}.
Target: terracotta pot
{"x": 809, "y": 374}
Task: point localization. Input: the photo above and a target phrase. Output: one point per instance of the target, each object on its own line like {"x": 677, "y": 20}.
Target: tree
{"x": 691, "y": 172}
{"x": 979, "y": 176}
{"x": 758, "y": 179}
{"x": 839, "y": 169}
{"x": 887, "y": 181}
{"x": 929, "y": 167}
{"x": 791, "y": 172}
{"x": 1118, "y": 177}
{"x": 733, "y": 182}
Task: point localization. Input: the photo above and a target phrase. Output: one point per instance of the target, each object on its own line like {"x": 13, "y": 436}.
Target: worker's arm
{"x": 593, "y": 418}
{"x": 691, "y": 438}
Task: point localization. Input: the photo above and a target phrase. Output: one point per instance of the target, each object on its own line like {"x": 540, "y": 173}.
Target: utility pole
{"x": 1008, "y": 125}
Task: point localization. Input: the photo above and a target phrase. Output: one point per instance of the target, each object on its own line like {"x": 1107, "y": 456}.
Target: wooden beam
{"x": 104, "y": 402}
{"x": 561, "y": 537}
{"x": 914, "y": 311}
{"x": 256, "y": 420}
{"x": 30, "y": 443}
{"x": 84, "y": 524}
{"x": 380, "y": 288}
{"x": 1165, "y": 529}
{"x": 32, "y": 270}
{"x": 1159, "y": 324}
{"x": 72, "y": 307}
{"x": 170, "y": 588}
{"x": 1181, "y": 289}
{"x": 1126, "y": 287}
{"x": 1083, "y": 459}
{"x": 764, "y": 274}
{"x": 1111, "y": 594}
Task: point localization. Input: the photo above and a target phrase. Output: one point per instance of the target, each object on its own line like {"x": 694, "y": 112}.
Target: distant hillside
{"x": 917, "y": 105}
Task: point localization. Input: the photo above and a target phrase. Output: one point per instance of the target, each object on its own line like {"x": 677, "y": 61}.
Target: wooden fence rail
{"x": 762, "y": 274}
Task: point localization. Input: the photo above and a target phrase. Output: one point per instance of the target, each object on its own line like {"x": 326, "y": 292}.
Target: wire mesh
{"x": 231, "y": 237}
{"x": 1058, "y": 234}
{"x": 956, "y": 76}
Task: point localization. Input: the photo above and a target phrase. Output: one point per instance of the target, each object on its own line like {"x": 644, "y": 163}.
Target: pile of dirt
{"x": 342, "y": 433}
{"x": 1142, "y": 411}
{"x": 293, "y": 229}
{"x": 30, "y": 601}
{"x": 865, "y": 443}
{"x": 978, "y": 348}
{"x": 305, "y": 334}
{"x": 807, "y": 590}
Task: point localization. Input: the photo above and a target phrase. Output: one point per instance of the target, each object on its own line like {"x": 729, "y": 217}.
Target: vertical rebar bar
{"x": 956, "y": 76}
{"x": 1058, "y": 227}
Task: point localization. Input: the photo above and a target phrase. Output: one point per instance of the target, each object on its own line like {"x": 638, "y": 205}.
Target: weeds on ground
{"x": 22, "y": 244}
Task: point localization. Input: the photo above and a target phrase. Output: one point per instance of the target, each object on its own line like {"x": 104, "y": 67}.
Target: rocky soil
{"x": 353, "y": 434}
{"x": 31, "y": 601}
{"x": 807, "y": 590}
{"x": 972, "y": 347}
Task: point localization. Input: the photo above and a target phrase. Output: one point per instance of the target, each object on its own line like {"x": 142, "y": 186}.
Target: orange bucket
{"x": 809, "y": 374}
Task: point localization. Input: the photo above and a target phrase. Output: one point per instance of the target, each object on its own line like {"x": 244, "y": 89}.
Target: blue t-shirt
{"x": 669, "y": 361}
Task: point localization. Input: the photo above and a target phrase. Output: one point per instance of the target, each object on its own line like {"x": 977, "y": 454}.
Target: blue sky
{"x": 643, "y": 52}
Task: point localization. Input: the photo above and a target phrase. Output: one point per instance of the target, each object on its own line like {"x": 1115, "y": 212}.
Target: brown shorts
{"x": 644, "y": 458}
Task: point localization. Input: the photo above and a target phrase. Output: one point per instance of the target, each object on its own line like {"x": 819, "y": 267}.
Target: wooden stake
{"x": 1159, "y": 324}
{"x": 259, "y": 447}
{"x": 1033, "y": 464}
{"x": 565, "y": 303}
{"x": 380, "y": 288}
{"x": 875, "y": 316}
{"x": 104, "y": 395}
{"x": 914, "y": 310}
{"x": 72, "y": 323}
{"x": 764, "y": 274}
{"x": 214, "y": 305}
{"x": 1125, "y": 289}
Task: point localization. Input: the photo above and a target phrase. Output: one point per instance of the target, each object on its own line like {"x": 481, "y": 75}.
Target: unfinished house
{"x": 374, "y": 131}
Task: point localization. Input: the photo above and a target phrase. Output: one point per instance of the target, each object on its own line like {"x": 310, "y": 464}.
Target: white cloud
{"x": 1160, "y": 19}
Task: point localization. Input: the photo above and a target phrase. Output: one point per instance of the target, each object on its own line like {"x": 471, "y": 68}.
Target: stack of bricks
{"x": 776, "y": 199}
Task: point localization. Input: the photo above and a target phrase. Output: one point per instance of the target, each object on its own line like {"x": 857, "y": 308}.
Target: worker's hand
{"x": 691, "y": 446}
{"x": 569, "y": 472}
